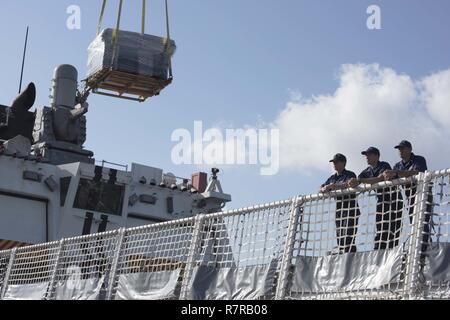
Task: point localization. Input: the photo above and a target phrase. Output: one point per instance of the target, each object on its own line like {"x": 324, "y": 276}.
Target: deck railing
{"x": 386, "y": 241}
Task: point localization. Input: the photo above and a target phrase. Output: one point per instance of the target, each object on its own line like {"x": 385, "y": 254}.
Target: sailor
{"x": 411, "y": 165}
{"x": 389, "y": 200}
{"x": 347, "y": 211}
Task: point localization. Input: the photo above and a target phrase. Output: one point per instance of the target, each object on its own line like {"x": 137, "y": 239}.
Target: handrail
{"x": 192, "y": 234}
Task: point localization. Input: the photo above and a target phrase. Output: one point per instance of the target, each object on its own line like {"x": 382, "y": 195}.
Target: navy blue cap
{"x": 404, "y": 144}
{"x": 371, "y": 150}
{"x": 339, "y": 158}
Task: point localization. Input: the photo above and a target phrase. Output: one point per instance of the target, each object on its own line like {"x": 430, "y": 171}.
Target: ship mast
{"x": 23, "y": 60}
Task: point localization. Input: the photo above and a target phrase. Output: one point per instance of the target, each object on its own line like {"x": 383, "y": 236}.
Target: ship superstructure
{"x": 51, "y": 187}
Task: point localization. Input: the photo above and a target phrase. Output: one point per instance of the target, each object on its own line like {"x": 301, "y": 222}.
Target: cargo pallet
{"x": 119, "y": 84}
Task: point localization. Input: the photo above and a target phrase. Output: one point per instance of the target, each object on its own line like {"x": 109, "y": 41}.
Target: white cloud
{"x": 371, "y": 106}
{"x": 436, "y": 95}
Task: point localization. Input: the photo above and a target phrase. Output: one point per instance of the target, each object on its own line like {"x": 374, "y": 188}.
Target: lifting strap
{"x": 143, "y": 17}
{"x": 168, "y": 40}
{"x": 100, "y": 20}
{"x": 102, "y": 13}
{"x": 119, "y": 15}
{"x": 116, "y": 30}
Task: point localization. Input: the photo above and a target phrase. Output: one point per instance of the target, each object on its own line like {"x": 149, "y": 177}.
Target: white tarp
{"x": 245, "y": 283}
{"x": 148, "y": 286}
{"x": 437, "y": 266}
{"x": 35, "y": 291}
{"x": 88, "y": 289}
{"x": 348, "y": 272}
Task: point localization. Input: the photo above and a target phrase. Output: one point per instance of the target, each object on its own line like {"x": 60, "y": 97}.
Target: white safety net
{"x": 4, "y": 262}
{"x": 434, "y": 263}
{"x": 237, "y": 254}
{"x": 152, "y": 261}
{"x": 386, "y": 241}
{"x": 352, "y": 244}
{"x": 31, "y": 272}
{"x": 84, "y": 266}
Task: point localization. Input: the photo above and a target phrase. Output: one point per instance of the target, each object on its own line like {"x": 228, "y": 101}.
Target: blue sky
{"x": 237, "y": 63}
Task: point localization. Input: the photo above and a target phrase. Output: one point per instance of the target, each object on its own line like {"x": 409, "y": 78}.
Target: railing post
{"x": 283, "y": 278}
{"x": 193, "y": 249}
{"x": 52, "y": 283}
{"x": 417, "y": 227}
{"x": 115, "y": 262}
{"x": 8, "y": 273}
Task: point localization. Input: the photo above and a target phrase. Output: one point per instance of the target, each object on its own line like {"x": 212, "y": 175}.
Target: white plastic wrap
{"x": 136, "y": 53}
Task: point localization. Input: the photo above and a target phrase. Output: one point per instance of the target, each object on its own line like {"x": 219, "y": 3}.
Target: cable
{"x": 116, "y": 31}
{"x": 100, "y": 20}
{"x": 143, "y": 17}
{"x": 168, "y": 39}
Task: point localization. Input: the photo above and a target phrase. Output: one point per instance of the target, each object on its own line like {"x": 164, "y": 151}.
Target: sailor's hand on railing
{"x": 353, "y": 183}
{"x": 326, "y": 189}
{"x": 389, "y": 174}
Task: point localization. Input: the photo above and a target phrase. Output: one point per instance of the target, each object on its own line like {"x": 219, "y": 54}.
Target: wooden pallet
{"x": 125, "y": 85}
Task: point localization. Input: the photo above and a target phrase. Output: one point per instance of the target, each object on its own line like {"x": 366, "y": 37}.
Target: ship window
{"x": 64, "y": 183}
{"x": 99, "y": 196}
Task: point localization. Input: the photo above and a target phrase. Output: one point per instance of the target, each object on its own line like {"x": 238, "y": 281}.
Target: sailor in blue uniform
{"x": 347, "y": 211}
{"x": 389, "y": 200}
{"x": 409, "y": 166}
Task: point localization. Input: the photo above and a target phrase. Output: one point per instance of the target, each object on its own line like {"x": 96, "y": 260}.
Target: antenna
{"x": 23, "y": 60}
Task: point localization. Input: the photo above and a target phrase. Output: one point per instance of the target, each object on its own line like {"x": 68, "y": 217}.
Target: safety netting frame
{"x": 280, "y": 250}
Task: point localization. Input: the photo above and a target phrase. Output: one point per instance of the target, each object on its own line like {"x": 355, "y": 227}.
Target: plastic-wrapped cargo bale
{"x": 136, "y": 53}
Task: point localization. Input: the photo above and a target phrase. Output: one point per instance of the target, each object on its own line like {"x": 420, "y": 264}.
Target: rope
{"x": 168, "y": 39}
{"x": 115, "y": 34}
{"x": 100, "y": 20}
{"x": 143, "y": 17}
{"x": 116, "y": 31}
